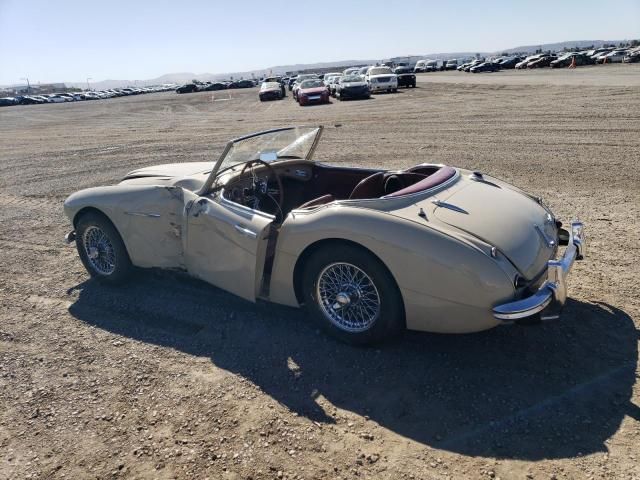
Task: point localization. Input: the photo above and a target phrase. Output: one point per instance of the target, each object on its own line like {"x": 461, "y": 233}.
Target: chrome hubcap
{"x": 99, "y": 250}
{"x": 348, "y": 297}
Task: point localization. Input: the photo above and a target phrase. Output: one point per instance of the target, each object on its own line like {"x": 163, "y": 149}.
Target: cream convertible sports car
{"x": 368, "y": 251}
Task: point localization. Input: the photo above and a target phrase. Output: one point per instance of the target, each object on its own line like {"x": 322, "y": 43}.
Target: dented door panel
{"x": 226, "y": 244}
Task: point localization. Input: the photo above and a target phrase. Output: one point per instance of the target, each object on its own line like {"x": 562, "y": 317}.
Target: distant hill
{"x": 562, "y": 45}
{"x": 184, "y": 77}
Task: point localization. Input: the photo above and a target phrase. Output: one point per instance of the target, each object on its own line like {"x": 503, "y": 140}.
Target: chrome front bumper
{"x": 552, "y": 294}
{"x": 70, "y": 237}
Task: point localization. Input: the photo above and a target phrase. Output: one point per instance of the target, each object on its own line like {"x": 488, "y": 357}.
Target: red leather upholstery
{"x": 370, "y": 187}
{"x": 318, "y": 201}
{"x": 441, "y": 176}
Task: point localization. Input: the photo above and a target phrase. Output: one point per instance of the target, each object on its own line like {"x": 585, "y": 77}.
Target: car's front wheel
{"x": 352, "y": 295}
{"x": 101, "y": 249}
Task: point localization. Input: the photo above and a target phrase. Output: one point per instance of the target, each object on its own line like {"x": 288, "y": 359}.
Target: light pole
{"x": 88, "y": 78}
{"x": 28, "y": 85}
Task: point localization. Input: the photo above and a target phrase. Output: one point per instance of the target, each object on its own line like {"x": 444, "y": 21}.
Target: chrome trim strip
{"x": 143, "y": 214}
{"x": 552, "y": 294}
{"x": 441, "y": 204}
{"x": 245, "y": 231}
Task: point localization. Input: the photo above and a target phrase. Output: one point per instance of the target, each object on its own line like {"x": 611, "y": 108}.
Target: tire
{"x": 382, "y": 292}
{"x": 112, "y": 265}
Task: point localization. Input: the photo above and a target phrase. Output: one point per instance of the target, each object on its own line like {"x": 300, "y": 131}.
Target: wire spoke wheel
{"x": 99, "y": 250}
{"x": 348, "y": 297}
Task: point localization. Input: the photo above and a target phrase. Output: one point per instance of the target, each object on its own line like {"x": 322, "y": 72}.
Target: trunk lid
{"x": 514, "y": 223}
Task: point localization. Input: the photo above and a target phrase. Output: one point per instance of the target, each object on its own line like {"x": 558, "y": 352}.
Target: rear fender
{"x": 421, "y": 259}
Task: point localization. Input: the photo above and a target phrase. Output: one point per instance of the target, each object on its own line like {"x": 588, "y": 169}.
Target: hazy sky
{"x": 70, "y": 40}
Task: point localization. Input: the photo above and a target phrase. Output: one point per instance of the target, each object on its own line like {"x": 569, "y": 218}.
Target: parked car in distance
{"x": 329, "y": 76}
{"x": 363, "y": 70}
{"x": 406, "y": 77}
{"x": 570, "y": 58}
{"x": 270, "y": 91}
{"x": 632, "y": 57}
{"x": 468, "y": 66}
{"x": 451, "y": 64}
{"x": 434, "y": 66}
{"x": 292, "y": 82}
{"x": 346, "y": 238}
{"x": 542, "y": 62}
{"x": 188, "y": 88}
{"x": 216, "y": 86}
{"x": 57, "y": 98}
{"x": 615, "y": 56}
{"x": 299, "y": 80}
{"x": 350, "y": 70}
{"x": 8, "y": 101}
{"x": 509, "y": 62}
{"x": 312, "y": 91}
{"x": 485, "y": 67}
{"x": 420, "y": 66}
{"x": 523, "y": 64}
{"x": 245, "y": 84}
{"x": 381, "y": 79}
{"x": 351, "y": 86}
{"x": 333, "y": 85}
{"x": 28, "y": 100}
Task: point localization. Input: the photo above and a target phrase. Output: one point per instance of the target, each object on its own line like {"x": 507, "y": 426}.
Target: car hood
{"x": 504, "y": 217}
{"x": 171, "y": 170}
{"x": 311, "y": 91}
{"x": 354, "y": 84}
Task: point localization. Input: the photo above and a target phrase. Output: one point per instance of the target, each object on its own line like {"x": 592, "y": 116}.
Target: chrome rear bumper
{"x": 552, "y": 294}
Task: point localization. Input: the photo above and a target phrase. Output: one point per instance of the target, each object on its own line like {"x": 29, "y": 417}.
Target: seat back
{"x": 370, "y": 187}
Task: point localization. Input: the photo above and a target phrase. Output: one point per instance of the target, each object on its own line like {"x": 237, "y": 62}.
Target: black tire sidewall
{"x": 123, "y": 262}
{"x": 391, "y": 319}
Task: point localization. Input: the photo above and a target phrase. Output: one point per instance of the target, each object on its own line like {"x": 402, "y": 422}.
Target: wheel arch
{"x": 96, "y": 211}
{"x": 310, "y": 249}
{"x": 85, "y": 210}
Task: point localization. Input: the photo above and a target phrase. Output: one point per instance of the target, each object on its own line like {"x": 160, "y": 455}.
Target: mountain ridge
{"x": 184, "y": 77}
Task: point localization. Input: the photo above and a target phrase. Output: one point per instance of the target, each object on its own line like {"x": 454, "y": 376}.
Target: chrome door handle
{"x": 245, "y": 231}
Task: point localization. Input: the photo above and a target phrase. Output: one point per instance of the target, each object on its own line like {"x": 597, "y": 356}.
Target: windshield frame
{"x": 206, "y": 188}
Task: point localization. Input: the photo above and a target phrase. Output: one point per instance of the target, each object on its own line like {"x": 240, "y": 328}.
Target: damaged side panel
{"x": 156, "y": 241}
{"x": 148, "y": 217}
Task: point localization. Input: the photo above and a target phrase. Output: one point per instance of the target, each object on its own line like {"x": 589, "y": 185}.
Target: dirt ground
{"x": 172, "y": 378}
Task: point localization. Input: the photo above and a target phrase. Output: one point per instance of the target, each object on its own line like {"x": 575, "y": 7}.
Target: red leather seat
{"x": 441, "y": 176}
{"x": 369, "y": 187}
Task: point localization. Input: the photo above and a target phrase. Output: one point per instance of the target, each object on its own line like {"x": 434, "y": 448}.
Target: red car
{"x": 312, "y": 91}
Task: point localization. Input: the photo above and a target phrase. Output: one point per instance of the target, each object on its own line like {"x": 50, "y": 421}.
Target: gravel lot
{"x": 172, "y": 378}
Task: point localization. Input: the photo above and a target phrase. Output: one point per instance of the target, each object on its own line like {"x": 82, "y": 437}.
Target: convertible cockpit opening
{"x": 278, "y": 189}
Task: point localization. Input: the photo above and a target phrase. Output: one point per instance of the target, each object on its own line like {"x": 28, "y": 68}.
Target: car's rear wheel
{"x": 101, "y": 249}
{"x": 352, "y": 295}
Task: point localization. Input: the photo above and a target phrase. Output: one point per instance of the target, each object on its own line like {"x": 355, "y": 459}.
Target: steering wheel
{"x": 261, "y": 190}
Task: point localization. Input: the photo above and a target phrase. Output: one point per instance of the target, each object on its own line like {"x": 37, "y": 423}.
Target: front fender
{"x": 447, "y": 284}
{"x": 148, "y": 217}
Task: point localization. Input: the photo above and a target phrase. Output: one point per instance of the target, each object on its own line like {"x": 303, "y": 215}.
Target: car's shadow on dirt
{"x": 547, "y": 391}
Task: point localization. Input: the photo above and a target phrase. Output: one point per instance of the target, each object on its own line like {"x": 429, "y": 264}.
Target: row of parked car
{"x": 210, "y": 86}
{"x": 80, "y": 96}
{"x": 352, "y": 83}
{"x": 554, "y": 60}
